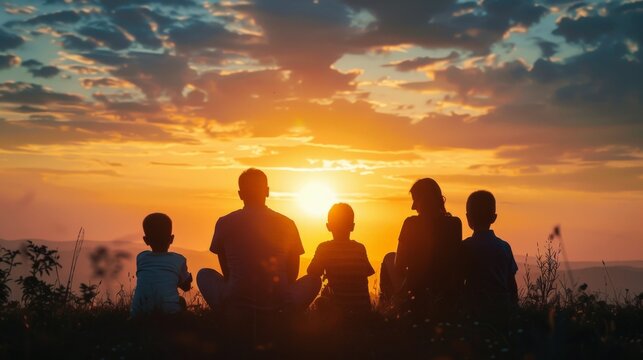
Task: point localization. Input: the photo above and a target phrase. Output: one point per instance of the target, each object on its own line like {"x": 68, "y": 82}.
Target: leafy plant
{"x": 8, "y": 261}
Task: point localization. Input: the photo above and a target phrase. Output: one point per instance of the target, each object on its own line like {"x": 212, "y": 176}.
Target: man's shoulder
{"x": 231, "y": 215}
{"x": 279, "y": 216}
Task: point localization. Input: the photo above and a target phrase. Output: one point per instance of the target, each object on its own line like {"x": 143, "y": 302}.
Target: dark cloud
{"x": 419, "y": 62}
{"x": 114, "y": 4}
{"x": 610, "y": 22}
{"x": 34, "y": 94}
{"x": 106, "y": 34}
{"x": 8, "y": 60}
{"x": 305, "y": 38}
{"x": 73, "y": 42}
{"x": 16, "y": 134}
{"x": 155, "y": 74}
{"x": 9, "y": 41}
{"x": 142, "y": 23}
{"x": 446, "y": 23}
{"x": 59, "y": 17}
{"x": 198, "y": 35}
{"x": 101, "y": 82}
{"x": 45, "y": 71}
{"x": 547, "y": 48}
{"x": 32, "y": 63}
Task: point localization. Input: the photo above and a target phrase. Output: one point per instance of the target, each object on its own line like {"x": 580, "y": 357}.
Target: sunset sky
{"x": 111, "y": 109}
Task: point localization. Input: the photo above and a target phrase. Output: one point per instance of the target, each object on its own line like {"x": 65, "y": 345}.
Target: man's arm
{"x": 513, "y": 290}
{"x": 293, "y": 267}
{"x": 223, "y": 262}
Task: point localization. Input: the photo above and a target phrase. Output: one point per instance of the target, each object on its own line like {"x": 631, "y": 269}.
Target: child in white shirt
{"x": 159, "y": 272}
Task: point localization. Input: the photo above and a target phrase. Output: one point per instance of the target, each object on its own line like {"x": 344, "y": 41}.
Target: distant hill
{"x": 623, "y": 274}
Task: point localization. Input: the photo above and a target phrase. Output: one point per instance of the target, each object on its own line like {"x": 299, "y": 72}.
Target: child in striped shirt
{"x": 344, "y": 263}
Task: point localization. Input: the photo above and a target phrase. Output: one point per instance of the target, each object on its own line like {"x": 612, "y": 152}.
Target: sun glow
{"x": 316, "y": 198}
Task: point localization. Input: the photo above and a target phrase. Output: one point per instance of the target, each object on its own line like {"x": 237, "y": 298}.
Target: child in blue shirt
{"x": 490, "y": 268}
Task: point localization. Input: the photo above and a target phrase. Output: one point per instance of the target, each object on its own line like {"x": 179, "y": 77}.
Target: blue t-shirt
{"x": 488, "y": 262}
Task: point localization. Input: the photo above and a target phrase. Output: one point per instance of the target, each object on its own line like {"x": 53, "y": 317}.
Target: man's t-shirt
{"x": 257, "y": 243}
{"x": 346, "y": 266}
{"x": 489, "y": 264}
{"x": 427, "y": 249}
{"x": 157, "y": 278}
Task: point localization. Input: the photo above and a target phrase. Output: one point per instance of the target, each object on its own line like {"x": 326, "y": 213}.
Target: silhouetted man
{"x": 259, "y": 251}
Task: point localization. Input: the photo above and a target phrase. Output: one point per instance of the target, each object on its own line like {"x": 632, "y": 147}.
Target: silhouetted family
{"x": 432, "y": 272}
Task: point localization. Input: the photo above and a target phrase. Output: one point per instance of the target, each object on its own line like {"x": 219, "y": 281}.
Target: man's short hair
{"x": 253, "y": 180}
{"x": 341, "y": 213}
{"x": 157, "y": 225}
{"x": 481, "y": 202}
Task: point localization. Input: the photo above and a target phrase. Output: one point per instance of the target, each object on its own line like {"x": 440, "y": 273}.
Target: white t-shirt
{"x": 157, "y": 278}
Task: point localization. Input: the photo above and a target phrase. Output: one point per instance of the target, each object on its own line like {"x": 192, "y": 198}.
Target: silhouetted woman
{"x": 423, "y": 273}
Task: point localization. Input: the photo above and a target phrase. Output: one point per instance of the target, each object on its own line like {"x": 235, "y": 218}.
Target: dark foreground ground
{"x": 599, "y": 331}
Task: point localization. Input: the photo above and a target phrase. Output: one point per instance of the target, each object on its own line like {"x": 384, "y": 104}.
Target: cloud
{"x": 34, "y": 94}
{"x": 73, "y": 42}
{"x": 590, "y": 179}
{"x": 610, "y": 22}
{"x": 313, "y": 156}
{"x": 142, "y": 23}
{"x": 21, "y": 133}
{"x": 154, "y": 74}
{"x": 106, "y": 34}
{"x": 9, "y": 41}
{"x": 8, "y": 60}
{"x": 446, "y": 23}
{"x": 104, "y": 82}
{"x": 198, "y": 35}
{"x": 422, "y": 61}
{"x": 58, "y": 17}
{"x": 45, "y": 71}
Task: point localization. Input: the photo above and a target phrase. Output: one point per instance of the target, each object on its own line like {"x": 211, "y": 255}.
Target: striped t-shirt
{"x": 345, "y": 264}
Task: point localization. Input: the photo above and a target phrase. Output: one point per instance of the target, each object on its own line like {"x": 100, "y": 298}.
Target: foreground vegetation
{"x": 553, "y": 322}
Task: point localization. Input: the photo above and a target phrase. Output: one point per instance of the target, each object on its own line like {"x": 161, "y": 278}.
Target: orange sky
{"x": 110, "y": 112}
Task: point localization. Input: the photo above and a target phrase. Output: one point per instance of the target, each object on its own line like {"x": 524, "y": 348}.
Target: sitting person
{"x": 159, "y": 272}
{"x": 258, "y": 250}
{"x": 344, "y": 263}
{"x": 423, "y": 273}
{"x": 489, "y": 265}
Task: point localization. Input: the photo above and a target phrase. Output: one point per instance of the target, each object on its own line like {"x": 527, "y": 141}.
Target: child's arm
{"x": 185, "y": 278}
{"x": 316, "y": 266}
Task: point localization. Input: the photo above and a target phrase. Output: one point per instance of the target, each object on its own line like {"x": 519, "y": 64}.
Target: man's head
{"x": 253, "y": 187}
{"x": 427, "y": 197}
{"x": 481, "y": 210}
{"x": 341, "y": 219}
{"x": 158, "y": 231}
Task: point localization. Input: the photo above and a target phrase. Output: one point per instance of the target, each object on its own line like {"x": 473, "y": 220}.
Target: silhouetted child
{"x": 159, "y": 272}
{"x": 344, "y": 263}
{"x": 489, "y": 265}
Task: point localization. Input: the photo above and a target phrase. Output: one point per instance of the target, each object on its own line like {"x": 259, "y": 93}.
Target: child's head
{"x": 158, "y": 231}
{"x": 341, "y": 219}
{"x": 481, "y": 210}
{"x": 427, "y": 197}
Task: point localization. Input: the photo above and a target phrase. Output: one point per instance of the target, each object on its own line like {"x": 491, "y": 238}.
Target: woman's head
{"x": 427, "y": 197}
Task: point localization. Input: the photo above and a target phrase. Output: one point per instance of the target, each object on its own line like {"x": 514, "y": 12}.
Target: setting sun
{"x": 316, "y": 198}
